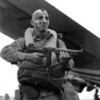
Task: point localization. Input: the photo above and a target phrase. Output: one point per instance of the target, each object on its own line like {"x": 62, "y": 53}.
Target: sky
{"x": 8, "y": 72}
{"x": 85, "y": 12}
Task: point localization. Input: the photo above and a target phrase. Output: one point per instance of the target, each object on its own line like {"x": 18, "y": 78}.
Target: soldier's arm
{"x": 11, "y": 52}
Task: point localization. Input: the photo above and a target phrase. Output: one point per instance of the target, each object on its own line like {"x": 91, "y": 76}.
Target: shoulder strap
{"x": 59, "y": 36}
{"x": 57, "y": 43}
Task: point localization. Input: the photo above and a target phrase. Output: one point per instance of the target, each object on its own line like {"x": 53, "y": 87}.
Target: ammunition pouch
{"x": 29, "y": 91}
{"x": 42, "y": 77}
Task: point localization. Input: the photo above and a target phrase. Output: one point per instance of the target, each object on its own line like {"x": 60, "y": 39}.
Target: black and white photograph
{"x": 49, "y": 49}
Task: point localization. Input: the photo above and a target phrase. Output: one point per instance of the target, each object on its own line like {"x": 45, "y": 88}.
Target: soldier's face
{"x": 41, "y": 20}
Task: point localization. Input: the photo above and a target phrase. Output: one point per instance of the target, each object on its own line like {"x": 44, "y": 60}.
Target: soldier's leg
{"x": 69, "y": 92}
{"x": 46, "y": 97}
{"x": 50, "y": 97}
{"x": 31, "y": 93}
